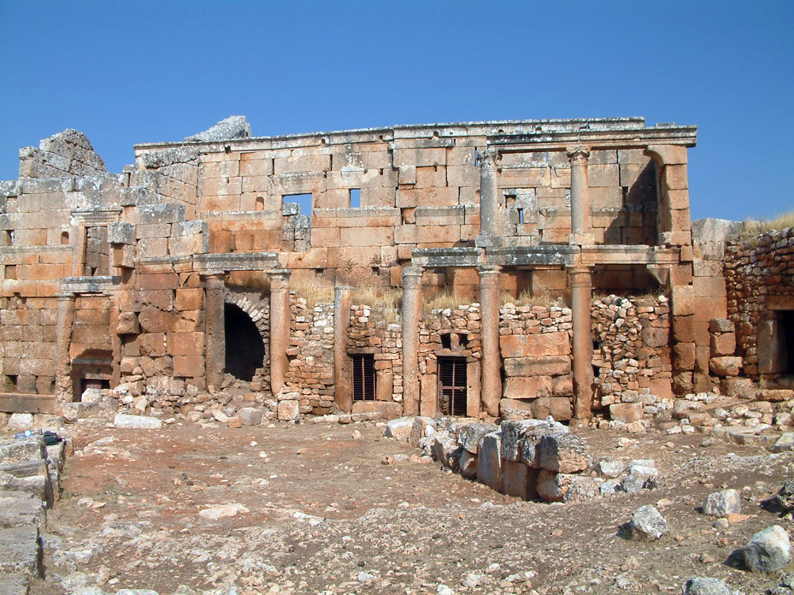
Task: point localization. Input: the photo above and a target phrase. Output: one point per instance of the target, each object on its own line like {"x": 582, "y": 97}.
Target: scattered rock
{"x": 723, "y": 503}
{"x": 226, "y": 510}
{"x": 137, "y": 422}
{"x": 701, "y": 585}
{"x": 646, "y": 524}
{"x": 767, "y": 551}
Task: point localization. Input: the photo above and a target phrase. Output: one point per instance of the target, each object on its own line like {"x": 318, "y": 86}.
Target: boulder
{"x": 418, "y": 429}
{"x": 723, "y": 503}
{"x": 467, "y": 464}
{"x": 288, "y": 410}
{"x": 563, "y": 453}
{"x": 701, "y": 585}
{"x": 785, "y": 496}
{"x": 642, "y": 473}
{"x": 767, "y": 551}
{"x": 610, "y": 468}
{"x": 647, "y": 524}
{"x": 399, "y": 429}
{"x": 583, "y": 489}
{"x": 250, "y": 416}
{"x": 445, "y": 449}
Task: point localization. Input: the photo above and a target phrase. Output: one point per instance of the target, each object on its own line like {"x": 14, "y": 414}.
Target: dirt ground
{"x": 320, "y": 512}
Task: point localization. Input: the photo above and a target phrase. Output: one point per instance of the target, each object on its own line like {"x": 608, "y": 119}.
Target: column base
{"x": 488, "y": 241}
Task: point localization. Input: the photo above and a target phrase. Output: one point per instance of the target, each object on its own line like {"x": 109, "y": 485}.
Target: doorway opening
{"x": 245, "y": 351}
{"x": 787, "y": 341}
{"x": 363, "y": 376}
{"x": 452, "y": 385}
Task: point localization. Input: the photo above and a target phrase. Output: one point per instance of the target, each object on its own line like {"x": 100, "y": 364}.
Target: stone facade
{"x": 182, "y": 278}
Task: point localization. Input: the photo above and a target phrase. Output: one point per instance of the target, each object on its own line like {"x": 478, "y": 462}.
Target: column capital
{"x": 279, "y": 278}
{"x": 578, "y": 154}
{"x": 412, "y": 276}
{"x": 489, "y": 270}
{"x": 214, "y": 279}
{"x": 489, "y": 156}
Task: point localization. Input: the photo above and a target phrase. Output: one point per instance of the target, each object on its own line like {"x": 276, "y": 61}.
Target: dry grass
{"x": 443, "y": 300}
{"x": 377, "y": 297}
{"x": 316, "y": 291}
{"x": 752, "y": 229}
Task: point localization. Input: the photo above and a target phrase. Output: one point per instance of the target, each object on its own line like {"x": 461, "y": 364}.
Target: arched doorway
{"x": 245, "y": 351}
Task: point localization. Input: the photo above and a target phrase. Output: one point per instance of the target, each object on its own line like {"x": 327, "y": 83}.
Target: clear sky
{"x": 128, "y": 72}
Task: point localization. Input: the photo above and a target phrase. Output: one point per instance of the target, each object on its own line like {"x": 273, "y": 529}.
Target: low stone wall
{"x": 759, "y": 276}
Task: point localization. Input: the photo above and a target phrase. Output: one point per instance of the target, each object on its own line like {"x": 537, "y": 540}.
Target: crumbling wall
{"x": 759, "y": 275}
{"x": 68, "y": 153}
{"x": 632, "y": 350}
{"x": 371, "y": 332}
{"x": 28, "y": 336}
{"x": 311, "y": 356}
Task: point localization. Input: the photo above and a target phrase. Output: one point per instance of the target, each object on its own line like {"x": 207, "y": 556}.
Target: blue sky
{"x": 134, "y": 72}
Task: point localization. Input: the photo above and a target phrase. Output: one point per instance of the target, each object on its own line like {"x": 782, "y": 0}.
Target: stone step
{"x": 18, "y": 509}
{"x": 14, "y": 583}
{"x": 20, "y": 550}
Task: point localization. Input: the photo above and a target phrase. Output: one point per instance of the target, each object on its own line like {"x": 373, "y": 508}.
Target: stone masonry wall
{"x": 536, "y": 349}
{"x": 632, "y": 352}
{"x": 759, "y": 275}
{"x": 369, "y": 332}
{"x": 28, "y": 344}
{"x": 311, "y": 356}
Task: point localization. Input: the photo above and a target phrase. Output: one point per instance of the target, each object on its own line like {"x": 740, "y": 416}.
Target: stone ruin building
{"x": 183, "y": 283}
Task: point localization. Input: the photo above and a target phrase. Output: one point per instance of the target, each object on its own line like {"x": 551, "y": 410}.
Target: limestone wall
{"x": 372, "y": 332}
{"x": 759, "y": 275}
{"x": 28, "y": 344}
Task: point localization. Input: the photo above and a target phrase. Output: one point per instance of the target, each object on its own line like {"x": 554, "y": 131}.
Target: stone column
{"x": 78, "y": 258}
{"x": 63, "y": 339}
{"x": 581, "y": 226}
{"x": 411, "y": 314}
{"x": 279, "y": 328}
{"x": 491, "y": 385}
{"x": 214, "y": 328}
{"x": 490, "y": 211}
{"x": 343, "y": 389}
{"x": 581, "y": 298}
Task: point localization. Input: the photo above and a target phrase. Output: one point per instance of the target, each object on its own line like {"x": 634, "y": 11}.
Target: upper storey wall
{"x": 377, "y": 194}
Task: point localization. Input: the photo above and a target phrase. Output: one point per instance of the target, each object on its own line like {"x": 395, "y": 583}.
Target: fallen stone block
{"x": 553, "y": 486}
{"x": 288, "y": 410}
{"x": 489, "y": 460}
{"x": 399, "y": 429}
{"x": 625, "y": 412}
{"x": 14, "y": 584}
{"x": 137, "y": 422}
{"x": 727, "y": 365}
{"x": 646, "y": 524}
{"x": 767, "y": 551}
{"x": 19, "y": 508}
{"x": 20, "y": 549}
{"x": 445, "y": 449}
{"x": 642, "y": 473}
{"x": 20, "y": 421}
{"x": 519, "y": 480}
{"x": 513, "y": 434}
{"x": 470, "y": 435}
{"x": 226, "y": 510}
{"x": 250, "y": 416}
{"x": 418, "y": 429}
{"x": 467, "y": 464}
{"x": 17, "y": 450}
{"x": 610, "y": 468}
{"x": 563, "y": 453}
{"x": 29, "y": 476}
{"x": 701, "y": 585}
{"x": 723, "y": 503}
{"x": 583, "y": 489}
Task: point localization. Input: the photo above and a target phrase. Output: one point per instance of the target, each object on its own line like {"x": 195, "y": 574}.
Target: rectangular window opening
{"x": 304, "y": 202}
{"x": 355, "y": 198}
{"x": 452, "y": 395}
{"x": 363, "y": 376}
{"x": 520, "y": 216}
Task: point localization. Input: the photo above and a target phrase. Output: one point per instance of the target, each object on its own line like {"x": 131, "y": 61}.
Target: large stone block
{"x": 539, "y": 345}
{"x": 513, "y": 433}
{"x": 625, "y": 412}
{"x": 724, "y": 344}
{"x": 537, "y": 366}
{"x": 553, "y": 486}
{"x": 563, "y": 453}
{"x": 419, "y": 429}
{"x": 519, "y": 480}
{"x": 470, "y": 435}
{"x": 726, "y": 365}
{"x": 489, "y": 460}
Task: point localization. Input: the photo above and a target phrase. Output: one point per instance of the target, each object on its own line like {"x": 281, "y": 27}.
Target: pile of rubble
{"x": 529, "y": 459}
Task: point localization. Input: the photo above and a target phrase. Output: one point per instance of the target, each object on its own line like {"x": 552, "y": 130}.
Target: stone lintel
{"x": 555, "y": 254}
{"x": 95, "y": 216}
{"x": 238, "y": 261}
{"x": 87, "y": 284}
{"x": 445, "y": 257}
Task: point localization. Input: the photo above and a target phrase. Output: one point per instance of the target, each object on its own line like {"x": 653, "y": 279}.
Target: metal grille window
{"x": 452, "y": 385}
{"x": 363, "y": 377}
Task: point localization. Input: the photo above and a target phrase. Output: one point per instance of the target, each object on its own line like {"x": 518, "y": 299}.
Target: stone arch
{"x": 244, "y": 309}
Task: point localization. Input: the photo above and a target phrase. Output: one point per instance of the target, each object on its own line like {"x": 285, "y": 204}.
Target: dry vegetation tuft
{"x": 752, "y": 228}
{"x": 316, "y": 291}
{"x": 526, "y": 298}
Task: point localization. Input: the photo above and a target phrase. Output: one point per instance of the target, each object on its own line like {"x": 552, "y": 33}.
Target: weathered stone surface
{"x": 489, "y": 460}
{"x": 647, "y": 524}
{"x": 418, "y": 429}
{"x": 470, "y": 435}
{"x": 610, "y": 468}
{"x": 20, "y": 549}
{"x": 20, "y": 450}
{"x": 288, "y": 410}
{"x": 137, "y": 422}
{"x": 445, "y": 449}
{"x": 563, "y": 453}
{"x": 519, "y": 480}
{"x": 250, "y": 416}
{"x": 20, "y": 421}
{"x": 226, "y": 510}
{"x": 727, "y": 365}
{"x": 701, "y": 585}
{"x": 767, "y": 551}
{"x": 625, "y": 412}
{"x": 14, "y": 584}
{"x": 552, "y": 486}
{"x": 513, "y": 434}
{"x": 583, "y": 489}
{"x": 231, "y": 127}
{"x": 467, "y": 464}
{"x": 399, "y": 429}
{"x": 18, "y": 508}
{"x": 723, "y": 503}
